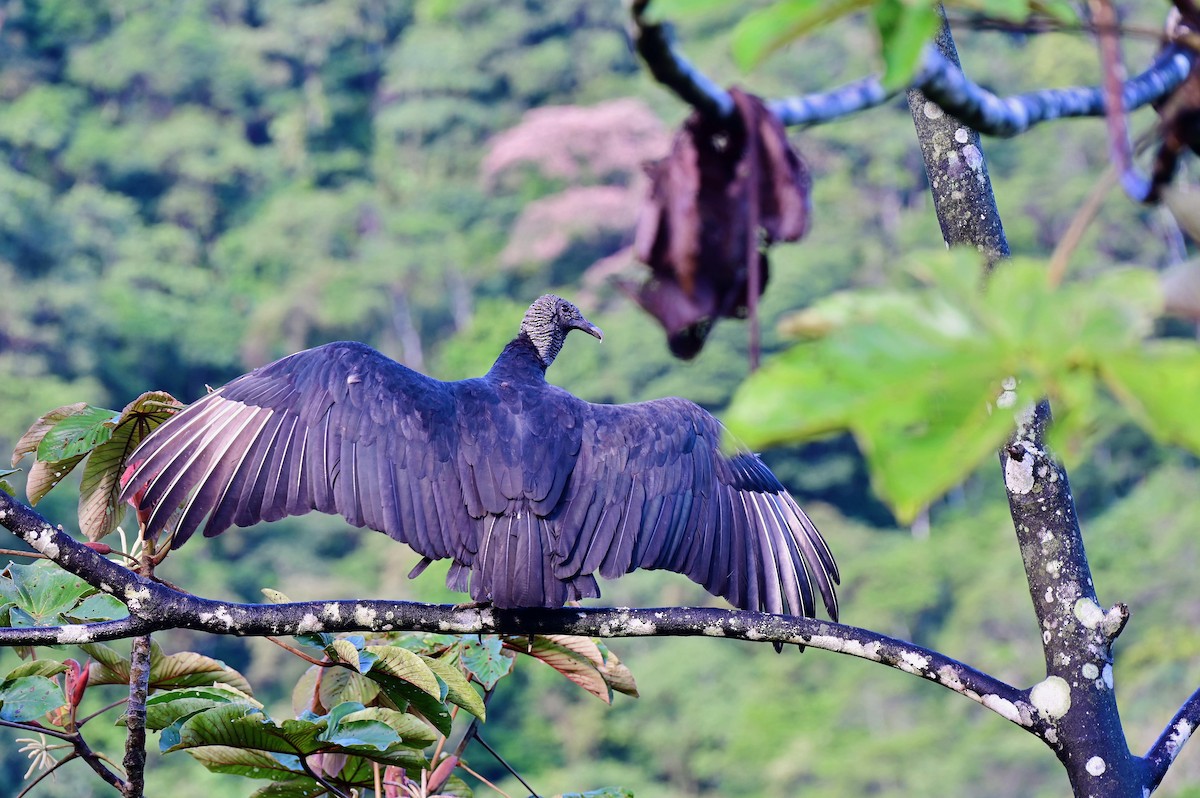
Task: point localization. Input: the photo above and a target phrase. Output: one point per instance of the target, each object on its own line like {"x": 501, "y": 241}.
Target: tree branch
{"x": 1077, "y": 634}
{"x": 157, "y": 607}
{"x": 939, "y": 78}
{"x": 1160, "y": 756}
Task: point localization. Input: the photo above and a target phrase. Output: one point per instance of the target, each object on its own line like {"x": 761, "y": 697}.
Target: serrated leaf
{"x": 37, "y": 667}
{"x": 764, "y": 31}
{"x": 27, "y": 698}
{"x": 1159, "y": 386}
{"x": 485, "y": 659}
{"x": 44, "y": 476}
{"x": 458, "y": 689}
{"x": 241, "y": 762}
{"x": 77, "y": 434}
{"x": 297, "y": 788}
{"x": 99, "y": 510}
{"x": 42, "y": 590}
{"x": 413, "y": 732}
{"x": 404, "y": 664}
{"x": 616, "y": 673}
{"x": 98, "y": 607}
{"x": 28, "y": 443}
{"x": 578, "y": 661}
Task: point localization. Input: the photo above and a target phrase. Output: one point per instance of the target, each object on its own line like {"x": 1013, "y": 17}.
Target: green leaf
{"x": 1159, "y": 386}
{"x": 297, "y": 788}
{"x": 98, "y": 607}
{"x": 168, "y": 707}
{"x": 904, "y": 30}
{"x": 413, "y": 732}
{"x": 27, "y": 698}
{"x": 458, "y": 689}
{"x": 28, "y": 443}
{"x": 764, "y": 31}
{"x": 43, "y": 590}
{"x": 404, "y": 664}
{"x": 350, "y": 651}
{"x": 4, "y": 484}
{"x": 485, "y": 659}
{"x": 37, "y": 667}
{"x": 241, "y": 762}
{"x": 99, "y": 511}
{"x": 77, "y": 434}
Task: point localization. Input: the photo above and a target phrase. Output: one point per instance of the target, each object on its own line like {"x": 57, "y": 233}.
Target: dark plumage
{"x": 528, "y": 489}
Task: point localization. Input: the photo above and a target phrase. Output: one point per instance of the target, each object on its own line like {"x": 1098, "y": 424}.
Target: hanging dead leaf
{"x": 727, "y": 190}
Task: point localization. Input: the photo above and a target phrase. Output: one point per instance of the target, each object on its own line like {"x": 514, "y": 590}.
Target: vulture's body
{"x": 528, "y": 489}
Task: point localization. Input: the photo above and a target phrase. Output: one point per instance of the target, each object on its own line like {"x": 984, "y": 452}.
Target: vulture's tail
{"x": 513, "y": 567}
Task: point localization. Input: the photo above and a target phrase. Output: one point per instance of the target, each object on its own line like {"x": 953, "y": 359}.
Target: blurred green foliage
{"x": 188, "y": 191}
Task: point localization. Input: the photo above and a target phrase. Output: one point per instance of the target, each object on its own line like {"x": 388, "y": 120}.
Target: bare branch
{"x": 157, "y": 607}
{"x": 939, "y": 78}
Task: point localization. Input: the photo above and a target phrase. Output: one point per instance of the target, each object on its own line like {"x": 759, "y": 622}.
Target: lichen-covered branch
{"x": 1077, "y": 633}
{"x": 939, "y": 78}
{"x": 1076, "y": 698}
{"x": 957, "y": 170}
{"x": 156, "y": 607}
{"x": 1160, "y": 756}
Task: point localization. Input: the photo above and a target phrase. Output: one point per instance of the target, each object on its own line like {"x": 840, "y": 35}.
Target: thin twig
{"x": 312, "y": 774}
{"x": 38, "y": 729}
{"x": 1119, "y": 148}
{"x": 1168, "y": 745}
{"x": 477, "y": 775}
{"x": 23, "y": 553}
{"x": 113, "y": 705}
{"x": 324, "y": 663}
{"x": 1079, "y": 225}
{"x": 508, "y": 767}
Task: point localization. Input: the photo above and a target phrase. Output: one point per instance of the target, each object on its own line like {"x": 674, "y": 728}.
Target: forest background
{"x": 190, "y": 190}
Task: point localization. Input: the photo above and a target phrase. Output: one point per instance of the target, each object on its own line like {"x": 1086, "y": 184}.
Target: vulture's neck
{"x": 519, "y": 360}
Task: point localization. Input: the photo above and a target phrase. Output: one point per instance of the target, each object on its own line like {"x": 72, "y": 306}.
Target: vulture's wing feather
{"x": 339, "y": 428}
{"x": 651, "y": 488}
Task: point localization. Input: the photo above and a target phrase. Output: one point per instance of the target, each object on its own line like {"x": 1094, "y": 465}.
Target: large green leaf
{"x": 928, "y": 379}
{"x": 77, "y": 434}
{"x": 403, "y": 664}
{"x": 764, "y": 31}
{"x": 167, "y": 671}
{"x": 458, "y": 690}
{"x": 42, "y": 590}
{"x": 99, "y": 512}
{"x": 243, "y": 762}
{"x": 27, "y": 698}
{"x": 1160, "y": 385}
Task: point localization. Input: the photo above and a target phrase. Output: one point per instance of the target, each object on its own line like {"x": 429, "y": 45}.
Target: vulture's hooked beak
{"x": 589, "y": 328}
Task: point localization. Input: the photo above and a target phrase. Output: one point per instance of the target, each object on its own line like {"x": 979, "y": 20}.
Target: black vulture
{"x": 528, "y": 489}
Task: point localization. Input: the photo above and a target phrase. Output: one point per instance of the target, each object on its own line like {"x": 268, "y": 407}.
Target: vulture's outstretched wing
{"x": 652, "y": 489}
{"x": 339, "y": 428}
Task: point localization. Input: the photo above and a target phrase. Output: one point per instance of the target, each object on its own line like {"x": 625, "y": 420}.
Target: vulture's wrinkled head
{"x": 547, "y": 323}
